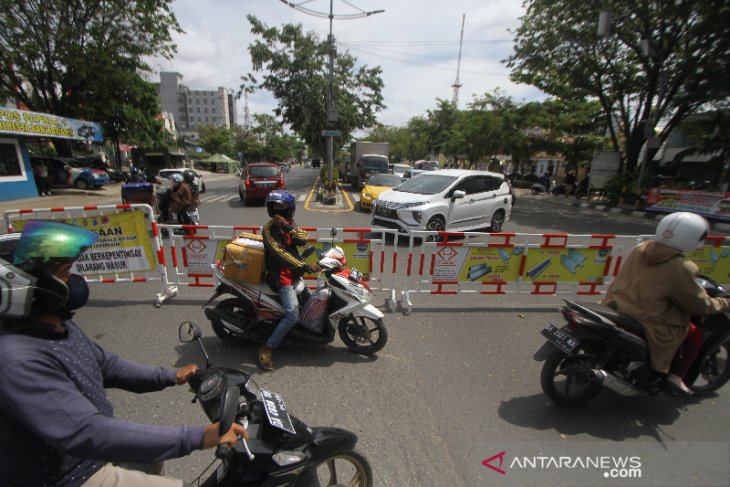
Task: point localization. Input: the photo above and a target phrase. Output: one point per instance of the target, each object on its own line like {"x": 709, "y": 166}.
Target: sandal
{"x": 265, "y": 361}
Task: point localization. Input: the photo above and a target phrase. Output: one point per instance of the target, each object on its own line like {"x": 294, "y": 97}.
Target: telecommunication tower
{"x": 457, "y": 83}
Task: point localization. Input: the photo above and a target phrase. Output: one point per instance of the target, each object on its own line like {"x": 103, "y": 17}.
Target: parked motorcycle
{"x": 281, "y": 449}
{"x": 599, "y": 347}
{"x": 255, "y": 309}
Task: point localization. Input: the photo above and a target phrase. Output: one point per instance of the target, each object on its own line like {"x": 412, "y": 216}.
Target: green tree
{"x": 216, "y": 140}
{"x": 65, "y": 58}
{"x": 294, "y": 67}
{"x": 663, "y": 62}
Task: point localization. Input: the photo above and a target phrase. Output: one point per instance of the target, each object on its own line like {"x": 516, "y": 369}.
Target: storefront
{"x": 16, "y": 172}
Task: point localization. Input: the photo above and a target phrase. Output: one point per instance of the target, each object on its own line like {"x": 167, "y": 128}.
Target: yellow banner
{"x": 714, "y": 262}
{"x": 566, "y": 265}
{"x": 124, "y": 244}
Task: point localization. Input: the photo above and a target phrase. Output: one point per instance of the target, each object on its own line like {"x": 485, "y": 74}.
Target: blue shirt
{"x": 57, "y": 426}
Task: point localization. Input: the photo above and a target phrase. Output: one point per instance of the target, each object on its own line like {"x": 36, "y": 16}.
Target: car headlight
{"x": 411, "y": 205}
{"x": 367, "y": 196}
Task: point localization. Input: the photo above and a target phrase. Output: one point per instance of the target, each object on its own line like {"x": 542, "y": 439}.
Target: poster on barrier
{"x": 714, "y": 262}
{"x": 483, "y": 264}
{"x": 124, "y": 244}
{"x": 567, "y": 264}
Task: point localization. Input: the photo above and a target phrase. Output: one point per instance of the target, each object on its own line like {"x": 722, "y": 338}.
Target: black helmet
{"x": 281, "y": 202}
{"x": 27, "y": 262}
{"x": 188, "y": 175}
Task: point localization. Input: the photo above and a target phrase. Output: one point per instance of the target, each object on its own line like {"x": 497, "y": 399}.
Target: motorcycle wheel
{"x": 236, "y": 310}
{"x": 565, "y": 379}
{"x": 345, "y": 469}
{"x": 713, "y": 371}
{"x": 363, "y": 335}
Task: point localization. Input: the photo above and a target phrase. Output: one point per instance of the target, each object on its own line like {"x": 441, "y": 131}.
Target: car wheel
{"x": 202, "y": 187}
{"x": 242, "y": 196}
{"x": 81, "y": 184}
{"x": 497, "y": 221}
{"x": 435, "y": 224}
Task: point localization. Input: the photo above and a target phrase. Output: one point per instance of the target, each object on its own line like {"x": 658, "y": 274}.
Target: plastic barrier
{"x": 194, "y": 249}
{"x": 538, "y": 264}
{"x": 129, "y": 248}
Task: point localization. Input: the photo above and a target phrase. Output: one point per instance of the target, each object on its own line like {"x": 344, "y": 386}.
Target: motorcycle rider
{"x": 184, "y": 199}
{"x": 57, "y": 424}
{"x": 656, "y": 286}
{"x": 284, "y": 266}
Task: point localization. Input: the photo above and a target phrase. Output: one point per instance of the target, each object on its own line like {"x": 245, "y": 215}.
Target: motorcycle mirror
{"x": 333, "y": 232}
{"x": 189, "y": 332}
{"x": 229, "y": 408}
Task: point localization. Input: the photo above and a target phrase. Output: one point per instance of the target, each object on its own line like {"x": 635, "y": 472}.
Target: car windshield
{"x": 385, "y": 180}
{"x": 263, "y": 171}
{"x": 426, "y": 184}
{"x": 78, "y": 164}
{"x": 374, "y": 163}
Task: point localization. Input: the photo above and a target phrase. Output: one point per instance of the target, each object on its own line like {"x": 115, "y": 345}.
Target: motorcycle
{"x": 255, "y": 310}
{"x": 600, "y": 347}
{"x": 281, "y": 449}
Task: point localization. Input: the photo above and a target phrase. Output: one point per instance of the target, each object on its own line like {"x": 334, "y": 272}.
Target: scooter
{"x": 602, "y": 348}
{"x": 255, "y": 309}
{"x": 281, "y": 449}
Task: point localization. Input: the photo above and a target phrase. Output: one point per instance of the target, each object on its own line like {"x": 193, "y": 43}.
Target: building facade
{"x": 192, "y": 109}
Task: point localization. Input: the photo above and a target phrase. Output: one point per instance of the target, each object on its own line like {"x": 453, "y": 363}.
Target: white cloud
{"x": 416, "y": 43}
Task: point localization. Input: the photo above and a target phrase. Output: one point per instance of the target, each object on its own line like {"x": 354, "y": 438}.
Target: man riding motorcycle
{"x": 284, "y": 266}
{"x": 56, "y": 421}
{"x": 656, "y": 286}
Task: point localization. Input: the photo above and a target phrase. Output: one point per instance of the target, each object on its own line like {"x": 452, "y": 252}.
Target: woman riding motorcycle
{"x": 656, "y": 286}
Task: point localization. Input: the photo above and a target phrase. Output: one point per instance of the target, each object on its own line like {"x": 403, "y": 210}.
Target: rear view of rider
{"x": 284, "y": 266}
{"x": 656, "y": 286}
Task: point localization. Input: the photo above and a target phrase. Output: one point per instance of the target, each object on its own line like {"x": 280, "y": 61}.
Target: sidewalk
{"x": 110, "y": 194}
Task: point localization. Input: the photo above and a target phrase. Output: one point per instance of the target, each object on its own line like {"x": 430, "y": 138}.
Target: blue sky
{"x": 415, "y": 42}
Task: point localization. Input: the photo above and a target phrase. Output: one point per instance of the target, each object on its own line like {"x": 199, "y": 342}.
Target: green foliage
{"x": 294, "y": 69}
{"x": 688, "y": 65}
{"x": 81, "y": 59}
{"x": 216, "y": 140}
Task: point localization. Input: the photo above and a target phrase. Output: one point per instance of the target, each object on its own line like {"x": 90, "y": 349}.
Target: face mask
{"x": 78, "y": 292}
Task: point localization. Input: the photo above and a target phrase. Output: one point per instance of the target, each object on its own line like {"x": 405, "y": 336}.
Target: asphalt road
{"x": 455, "y": 384}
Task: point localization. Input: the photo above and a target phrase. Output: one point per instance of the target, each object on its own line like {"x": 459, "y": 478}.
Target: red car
{"x": 258, "y": 180}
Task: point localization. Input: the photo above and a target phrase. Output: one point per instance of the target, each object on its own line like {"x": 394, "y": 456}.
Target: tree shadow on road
{"x": 609, "y": 416}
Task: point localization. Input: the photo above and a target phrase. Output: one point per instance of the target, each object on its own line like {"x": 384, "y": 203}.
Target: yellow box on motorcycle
{"x": 243, "y": 259}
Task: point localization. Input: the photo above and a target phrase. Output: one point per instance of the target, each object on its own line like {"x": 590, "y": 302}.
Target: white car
{"x": 449, "y": 199}
{"x": 163, "y": 177}
{"x": 400, "y": 169}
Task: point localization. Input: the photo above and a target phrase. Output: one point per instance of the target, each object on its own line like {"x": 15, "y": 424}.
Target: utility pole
{"x": 332, "y": 115}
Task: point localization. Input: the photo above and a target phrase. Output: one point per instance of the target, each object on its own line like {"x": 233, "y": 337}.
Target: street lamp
{"x": 332, "y": 115}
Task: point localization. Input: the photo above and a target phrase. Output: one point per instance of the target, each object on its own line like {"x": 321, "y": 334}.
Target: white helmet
{"x": 683, "y": 231}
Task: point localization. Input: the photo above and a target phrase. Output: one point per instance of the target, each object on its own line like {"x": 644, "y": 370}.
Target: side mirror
{"x": 189, "y": 332}
{"x": 458, "y": 194}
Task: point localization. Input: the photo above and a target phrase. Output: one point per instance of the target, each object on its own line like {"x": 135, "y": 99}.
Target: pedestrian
{"x": 40, "y": 174}
{"x": 57, "y": 423}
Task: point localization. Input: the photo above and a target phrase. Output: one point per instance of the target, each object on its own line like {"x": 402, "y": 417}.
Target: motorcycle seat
{"x": 623, "y": 321}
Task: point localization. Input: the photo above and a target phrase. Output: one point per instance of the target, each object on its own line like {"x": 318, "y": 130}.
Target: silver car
{"x": 449, "y": 199}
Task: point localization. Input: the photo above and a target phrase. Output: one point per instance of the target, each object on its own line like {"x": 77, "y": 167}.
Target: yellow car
{"x": 376, "y": 185}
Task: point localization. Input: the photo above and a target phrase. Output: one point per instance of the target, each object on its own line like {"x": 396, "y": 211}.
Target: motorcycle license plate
{"x": 355, "y": 275}
{"x": 276, "y": 411}
{"x": 559, "y": 338}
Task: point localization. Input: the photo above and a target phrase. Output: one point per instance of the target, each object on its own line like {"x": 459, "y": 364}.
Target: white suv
{"x": 449, "y": 199}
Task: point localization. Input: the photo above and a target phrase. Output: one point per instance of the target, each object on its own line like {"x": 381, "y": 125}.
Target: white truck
{"x": 367, "y": 158}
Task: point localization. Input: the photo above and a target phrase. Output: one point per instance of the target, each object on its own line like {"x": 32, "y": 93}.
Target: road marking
{"x": 312, "y": 192}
